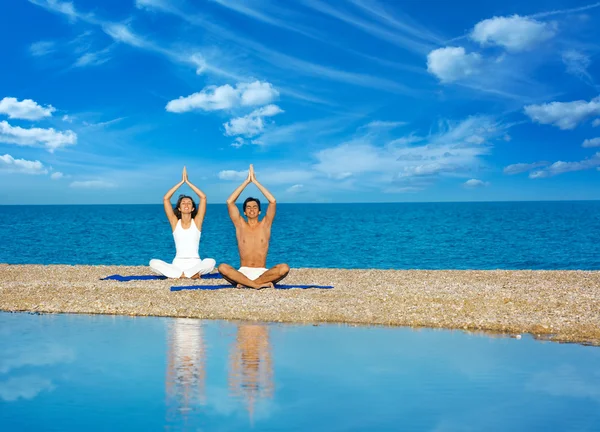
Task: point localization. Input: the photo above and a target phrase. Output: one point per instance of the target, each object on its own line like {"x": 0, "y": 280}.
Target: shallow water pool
{"x": 77, "y": 372}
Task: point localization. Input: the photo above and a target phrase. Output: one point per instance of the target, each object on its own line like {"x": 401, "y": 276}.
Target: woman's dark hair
{"x": 250, "y": 199}
{"x": 176, "y": 208}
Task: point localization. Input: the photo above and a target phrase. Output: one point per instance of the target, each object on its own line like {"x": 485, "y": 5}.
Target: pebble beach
{"x": 562, "y": 306}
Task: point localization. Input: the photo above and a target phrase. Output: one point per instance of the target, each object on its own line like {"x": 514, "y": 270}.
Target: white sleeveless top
{"x": 187, "y": 241}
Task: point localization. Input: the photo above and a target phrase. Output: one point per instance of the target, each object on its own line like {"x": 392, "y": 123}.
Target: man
{"x": 253, "y": 241}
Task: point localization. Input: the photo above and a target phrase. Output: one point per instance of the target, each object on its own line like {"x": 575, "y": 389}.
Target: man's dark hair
{"x": 250, "y": 199}
{"x": 176, "y": 209}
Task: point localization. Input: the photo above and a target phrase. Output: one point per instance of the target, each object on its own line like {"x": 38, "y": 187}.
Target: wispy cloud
{"x": 26, "y": 109}
{"x": 523, "y": 167}
{"x": 95, "y": 58}
{"x": 245, "y": 8}
{"x": 408, "y": 42}
{"x": 565, "y": 11}
{"x": 42, "y": 48}
{"x": 92, "y": 184}
{"x": 123, "y": 34}
{"x": 455, "y": 149}
{"x": 577, "y": 64}
{"x": 36, "y": 137}
{"x": 561, "y": 167}
{"x": 232, "y": 175}
{"x": 295, "y": 188}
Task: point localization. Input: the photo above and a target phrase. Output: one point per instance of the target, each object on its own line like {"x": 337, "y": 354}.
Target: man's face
{"x": 252, "y": 209}
{"x": 186, "y": 206}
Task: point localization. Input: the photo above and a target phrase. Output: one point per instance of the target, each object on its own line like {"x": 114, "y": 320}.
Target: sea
{"x": 483, "y": 235}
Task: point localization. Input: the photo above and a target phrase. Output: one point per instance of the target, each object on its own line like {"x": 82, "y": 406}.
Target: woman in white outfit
{"x": 186, "y": 224}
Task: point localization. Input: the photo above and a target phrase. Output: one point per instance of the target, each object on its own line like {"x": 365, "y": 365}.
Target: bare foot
{"x": 196, "y": 276}
{"x": 265, "y": 285}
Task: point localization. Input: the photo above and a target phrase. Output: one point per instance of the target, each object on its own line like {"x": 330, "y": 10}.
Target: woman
{"x": 186, "y": 224}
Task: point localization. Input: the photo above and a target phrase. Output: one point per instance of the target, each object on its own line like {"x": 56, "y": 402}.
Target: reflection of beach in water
{"x": 186, "y": 366}
{"x": 251, "y": 370}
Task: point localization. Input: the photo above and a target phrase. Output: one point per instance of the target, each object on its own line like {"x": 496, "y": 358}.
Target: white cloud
{"x": 26, "y": 387}
{"x": 93, "y": 58}
{"x": 475, "y": 183}
{"x": 67, "y": 118}
{"x": 453, "y": 63}
{"x": 225, "y": 97}
{"x": 233, "y": 175}
{"x": 295, "y": 188}
{"x": 379, "y": 124}
{"x": 594, "y": 142}
{"x": 56, "y": 175}
{"x": 294, "y": 176}
{"x": 42, "y": 48}
{"x": 577, "y": 64}
{"x": 238, "y": 142}
{"x": 523, "y": 167}
{"x": 10, "y": 164}
{"x": 38, "y": 355}
{"x": 252, "y": 124}
{"x": 92, "y": 184}
{"x": 596, "y": 122}
{"x": 514, "y": 33}
{"x": 48, "y": 138}
{"x": 561, "y": 167}
{"x": 26, "y": 109}
{"x": 564, "y": 115}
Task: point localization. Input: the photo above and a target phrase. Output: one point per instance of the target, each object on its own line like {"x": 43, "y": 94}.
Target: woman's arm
{"x": 167, "y": 201}
{"x": 201, "y": 202}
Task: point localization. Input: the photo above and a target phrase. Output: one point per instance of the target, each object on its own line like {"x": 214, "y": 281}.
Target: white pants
{"x": 252, "y": 273}
{"x": 186, "y": 266}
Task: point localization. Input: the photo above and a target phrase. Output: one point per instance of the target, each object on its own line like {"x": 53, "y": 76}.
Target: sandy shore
{"x": 557, "y": 305}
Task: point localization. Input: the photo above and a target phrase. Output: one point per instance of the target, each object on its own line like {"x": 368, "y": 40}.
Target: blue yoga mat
{"x": 216, "y": 287}
{"x": 121, "y": 278}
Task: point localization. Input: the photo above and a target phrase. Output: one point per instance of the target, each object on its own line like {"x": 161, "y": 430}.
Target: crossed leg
{"x": 266, "y": 280}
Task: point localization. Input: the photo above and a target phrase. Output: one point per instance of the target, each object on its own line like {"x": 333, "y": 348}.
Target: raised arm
{"x": 272, "y": 203}
{"x": 167, "y": 201}
{"x": 234, "y": 213}
{"x": 201, "y": 201}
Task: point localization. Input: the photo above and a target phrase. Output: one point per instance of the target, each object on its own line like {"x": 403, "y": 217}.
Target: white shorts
{"x": 252, "y": 273}
{"x": 186, "y": 266}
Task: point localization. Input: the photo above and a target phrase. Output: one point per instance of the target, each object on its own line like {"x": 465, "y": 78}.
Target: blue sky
{"x": 346, "y": 101}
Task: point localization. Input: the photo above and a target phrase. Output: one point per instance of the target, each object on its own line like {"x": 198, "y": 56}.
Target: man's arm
{"x": 201, "y": 202}
{"x": 272, "y": 203}
{"x": 234, "y": 213}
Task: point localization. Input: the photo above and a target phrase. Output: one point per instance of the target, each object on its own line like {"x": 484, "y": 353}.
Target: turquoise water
{"x": 74, "y": 372}
{"x": 503, "y": 235}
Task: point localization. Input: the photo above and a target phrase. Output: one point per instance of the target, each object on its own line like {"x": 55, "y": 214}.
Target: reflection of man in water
{"x": 185, "y": 381}
{"x": 251, "y": 370}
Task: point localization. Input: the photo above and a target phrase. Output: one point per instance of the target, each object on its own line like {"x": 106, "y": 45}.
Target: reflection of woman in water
{"x": 186, "y": 225}
{"x": 251, "y": 371}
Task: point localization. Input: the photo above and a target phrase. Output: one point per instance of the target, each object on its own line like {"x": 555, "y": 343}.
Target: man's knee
{"x": 223, "y": 267}
{"x": 283, "y": 269}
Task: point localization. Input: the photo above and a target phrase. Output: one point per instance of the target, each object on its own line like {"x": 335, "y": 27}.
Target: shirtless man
{"x": 253, "y": 241}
